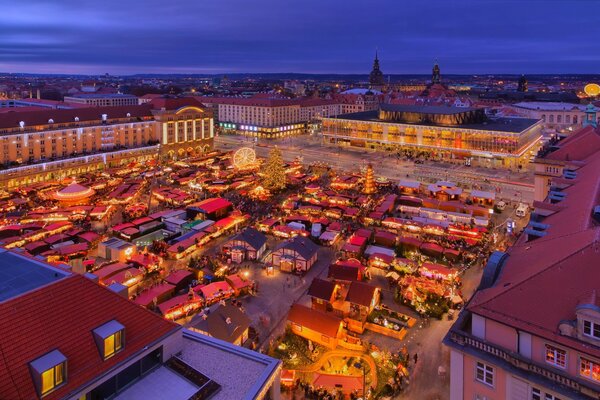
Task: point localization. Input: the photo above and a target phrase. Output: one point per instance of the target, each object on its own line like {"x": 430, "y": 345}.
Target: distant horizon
{"x": 221, "y": 74}
{"x": 120, "y": 37}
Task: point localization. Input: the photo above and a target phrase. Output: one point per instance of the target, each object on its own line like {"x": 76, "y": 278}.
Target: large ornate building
{"x": 532, "y": 329}
{"x": 47, "y": 144}
{"x": 450, "y": 133}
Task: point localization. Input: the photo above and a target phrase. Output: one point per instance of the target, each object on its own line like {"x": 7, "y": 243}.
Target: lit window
{"x": 49, "y": 371}
{"x": 591, "y": 329}
{"x": 485, "y": 374}
{"x": 110, "y": 338}
{"x": 589, "y": 369}
{"x": 556, "y": 356}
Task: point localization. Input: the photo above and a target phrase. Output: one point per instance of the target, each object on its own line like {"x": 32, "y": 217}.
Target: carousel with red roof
{"x": 74, "y": 194}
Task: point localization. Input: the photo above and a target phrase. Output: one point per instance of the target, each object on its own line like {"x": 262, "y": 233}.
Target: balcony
{"x": 463, "y": 339}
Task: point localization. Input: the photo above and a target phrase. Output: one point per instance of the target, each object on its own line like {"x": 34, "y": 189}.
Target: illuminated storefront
{"x": 444, "y": 132}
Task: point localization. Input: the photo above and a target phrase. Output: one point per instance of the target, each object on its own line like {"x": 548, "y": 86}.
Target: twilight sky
{"x": 314, "y": 36}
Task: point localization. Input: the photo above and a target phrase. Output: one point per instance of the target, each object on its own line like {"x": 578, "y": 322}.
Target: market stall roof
{"x": 226, "y": 323}
{"x": 480, "y": 194}
{"x": 409, "y": 184}
{"x": 361, "y": 293}
{"x": 110, "y": 269}
{"x": 321, "y": 289}
{"x": 178, "y": 276}
{"x": 347, "y": 383}
{"x": 317, "y": 321}
{"x": 437, "y": 269}
{"x": 328, "y": 236}
{"x": 410, "y": 241}
{"x": 212, "y": 289}
{"x": 237, "y": 282}
{"x": 146, "y": 298}
{"x": 432, "y": 248}
{"x": 122, "y": 276}
{"x": 182, "y": 299}
{"x": 379, "y": 250}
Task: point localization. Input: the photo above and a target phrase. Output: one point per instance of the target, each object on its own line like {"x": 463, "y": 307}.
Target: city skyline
{"x": 234, "y": 37}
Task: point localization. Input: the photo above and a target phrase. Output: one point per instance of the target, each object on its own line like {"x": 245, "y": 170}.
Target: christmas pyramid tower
{"x": 369, "y": 187}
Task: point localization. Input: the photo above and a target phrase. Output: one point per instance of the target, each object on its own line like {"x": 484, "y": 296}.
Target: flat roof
{"x": 162, "y": 383}
{"x": 442, "y": 110}
{"x": 242, "y": 373}
{"x": 20, "y": 274}
{"x": 103, "y": 96}
{"x": 496, "y": 124}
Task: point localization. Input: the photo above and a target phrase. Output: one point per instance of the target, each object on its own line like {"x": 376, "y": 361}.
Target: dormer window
{"x": 49, "y": 372}
{"x": 110, "y": 338}
{"x": 591, "y": 329}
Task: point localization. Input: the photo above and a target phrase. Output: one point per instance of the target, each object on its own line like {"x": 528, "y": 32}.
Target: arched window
{"x": 544, "y": 117}
{"x": 574, "y": 119}
{"x": 551, "y": 118}
{"x": 559, "y": 119}
{"x": 568, "y": 119}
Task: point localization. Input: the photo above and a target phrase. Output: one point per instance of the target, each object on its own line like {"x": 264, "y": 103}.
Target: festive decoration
{"x": 244, "y": 158}
{"x": 274, "y": 171}
{"x": 369, "y": 187}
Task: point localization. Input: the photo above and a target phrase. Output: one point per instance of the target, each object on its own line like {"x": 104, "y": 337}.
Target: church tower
{"x": 522, "y": 85}
{"x": 590, "y": 116}
{"x": 376, "y": 79}
{"x": 436, "y": 78}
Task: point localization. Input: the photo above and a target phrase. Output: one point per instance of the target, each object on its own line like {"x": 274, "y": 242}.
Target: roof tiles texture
{"x": 62, "y": 316}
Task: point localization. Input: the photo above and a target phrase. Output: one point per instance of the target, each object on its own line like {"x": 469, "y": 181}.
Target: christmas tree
{"x": 273, "y": 171}
{"x": 369, "y": 187}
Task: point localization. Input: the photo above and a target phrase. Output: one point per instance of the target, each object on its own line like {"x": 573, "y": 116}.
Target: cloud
{"x": 128, "y": 36}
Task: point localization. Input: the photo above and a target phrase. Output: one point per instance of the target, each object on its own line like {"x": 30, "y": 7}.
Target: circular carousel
{"x": 74, "y": 194}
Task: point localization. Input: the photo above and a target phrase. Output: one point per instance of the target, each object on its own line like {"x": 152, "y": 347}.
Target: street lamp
{"x": 361, "y": 366}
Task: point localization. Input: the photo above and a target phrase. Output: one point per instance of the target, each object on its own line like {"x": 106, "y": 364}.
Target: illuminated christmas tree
{"x": 369, "y": 187}
{"x": 274, "y": 171}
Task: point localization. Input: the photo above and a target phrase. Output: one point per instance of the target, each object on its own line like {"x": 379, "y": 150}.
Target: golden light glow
{"x": 592, "y": 89}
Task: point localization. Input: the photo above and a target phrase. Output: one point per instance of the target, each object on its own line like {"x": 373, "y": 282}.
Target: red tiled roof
{"x": 65, "y": 116}
{"x": 552, "y": 272}
{"x": 175, "y": 103}
{"x": 62, "y": 316}
{"x": 579, "y": 146}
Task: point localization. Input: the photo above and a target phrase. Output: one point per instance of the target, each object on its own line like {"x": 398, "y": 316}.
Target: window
{"x": 589, "y": 369}
{"x": 537, "y": 394}
{"x": 112, "y": 344}
{"x": 49, "y": 372}
{"x": 110, "y": 338}
{"x": 556, "y": 356}
{"x": 591, "y": 329}
{"x": 485, "y": 374}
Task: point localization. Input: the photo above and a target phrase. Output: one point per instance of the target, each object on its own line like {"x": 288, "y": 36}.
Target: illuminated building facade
{"x": 266, "y": 117}
{"x": 450, "y": 133}
{"x": 184, "y": 127}
{"x": 103, "y": 100}
{"x": 41, "y": 145}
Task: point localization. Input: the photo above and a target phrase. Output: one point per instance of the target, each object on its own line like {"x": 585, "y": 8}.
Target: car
{"x": 501, "y": 205}
{"x": 522, "y": 210}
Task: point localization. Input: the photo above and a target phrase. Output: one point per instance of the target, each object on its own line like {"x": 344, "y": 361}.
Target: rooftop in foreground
{"x": 242, "y": 373}
{"x": 20, "y": 274}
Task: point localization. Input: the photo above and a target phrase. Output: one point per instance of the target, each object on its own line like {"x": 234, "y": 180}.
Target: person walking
{"x": 416, "y": 358}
